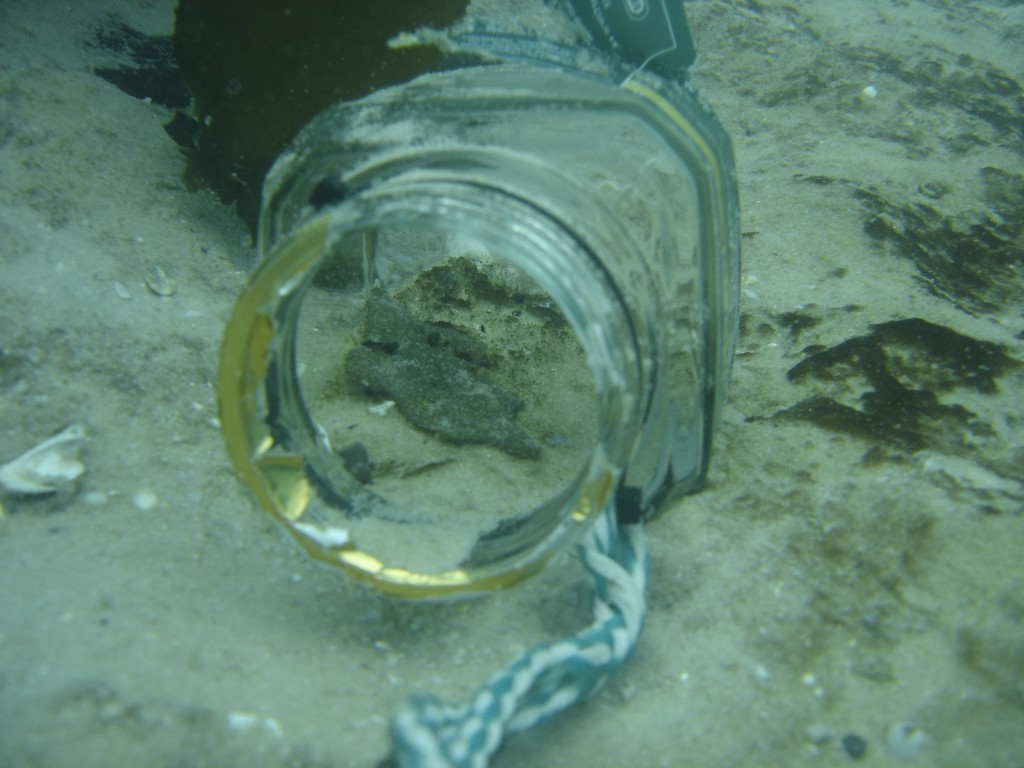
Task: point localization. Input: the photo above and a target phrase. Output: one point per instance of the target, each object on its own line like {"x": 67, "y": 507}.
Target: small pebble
{"x": 819, "y": 733}
{"x": 905, "y": 741}
{"x": 144, "y": 500}
{"x": 854, "y": 745}
{"x": 95, "y": 499}
{"x": 356, "y": 459}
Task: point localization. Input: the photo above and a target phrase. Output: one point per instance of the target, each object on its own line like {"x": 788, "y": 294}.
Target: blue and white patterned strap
{"x": 549, "y": 677}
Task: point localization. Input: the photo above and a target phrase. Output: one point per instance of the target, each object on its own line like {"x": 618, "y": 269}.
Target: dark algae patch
{"x": 974, "y": 263}
{"x": 887, "y": 385}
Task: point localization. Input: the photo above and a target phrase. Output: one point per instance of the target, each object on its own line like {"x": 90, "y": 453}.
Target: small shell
{"x": 47, "y": 468}
{"x": 906, "y": 741}
{"x": 326, "y": 537}
{"x": 158, "y": 282}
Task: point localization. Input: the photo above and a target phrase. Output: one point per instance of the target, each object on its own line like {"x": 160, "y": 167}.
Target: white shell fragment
{"x": 50, "y": 466}
{"x": 381, "y": 409}
{"x": 247, "y": 722}
{"x": 158, "y": 281}
{"x": 328, "y": 537}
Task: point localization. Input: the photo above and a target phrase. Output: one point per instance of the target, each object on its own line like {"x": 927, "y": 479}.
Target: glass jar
{"x": 490, "y": 302}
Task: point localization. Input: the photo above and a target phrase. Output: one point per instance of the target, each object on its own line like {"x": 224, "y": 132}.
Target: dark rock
{"x": 438, "y": 378}
{"x": 854, "y": 745}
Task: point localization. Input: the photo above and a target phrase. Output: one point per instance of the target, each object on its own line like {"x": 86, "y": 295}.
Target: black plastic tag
{"x": 652, "y": 33}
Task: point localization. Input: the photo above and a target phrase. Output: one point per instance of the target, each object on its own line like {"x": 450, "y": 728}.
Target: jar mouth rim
{"x": 284, "y": 463}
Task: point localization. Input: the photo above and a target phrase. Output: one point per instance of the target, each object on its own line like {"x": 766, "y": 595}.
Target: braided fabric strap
{"x": 549, "y": 677}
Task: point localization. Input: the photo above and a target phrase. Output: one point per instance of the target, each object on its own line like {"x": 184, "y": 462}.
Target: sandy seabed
{"x": 854, "y": 563}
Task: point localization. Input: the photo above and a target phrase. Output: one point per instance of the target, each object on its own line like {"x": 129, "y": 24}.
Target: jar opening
{"x": 444, "y": 369}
